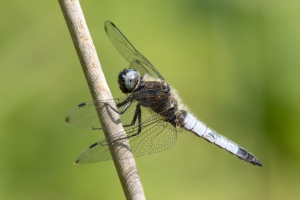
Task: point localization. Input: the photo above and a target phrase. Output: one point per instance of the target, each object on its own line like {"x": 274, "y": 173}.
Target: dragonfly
{"x": 151, "y": 112}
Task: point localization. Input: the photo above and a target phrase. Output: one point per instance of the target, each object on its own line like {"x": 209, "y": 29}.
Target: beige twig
{"x": 86, "y": 52}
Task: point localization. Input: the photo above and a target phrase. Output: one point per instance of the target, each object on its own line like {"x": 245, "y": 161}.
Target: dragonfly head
{"x": 128, "y": 80}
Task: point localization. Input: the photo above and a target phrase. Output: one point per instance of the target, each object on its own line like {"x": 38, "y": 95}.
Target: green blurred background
{"x": 235, "y": 64}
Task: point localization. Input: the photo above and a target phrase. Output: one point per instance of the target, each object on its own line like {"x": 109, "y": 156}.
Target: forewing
{"x": 127, "y": 50}
{"x": 85, "y": 115}
{"x": 156, "y": 135}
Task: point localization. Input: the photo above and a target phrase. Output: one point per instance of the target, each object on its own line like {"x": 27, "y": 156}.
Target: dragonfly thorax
{"x": 128, "y": 80}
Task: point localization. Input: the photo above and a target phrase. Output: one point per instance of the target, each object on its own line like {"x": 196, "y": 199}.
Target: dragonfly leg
{"x": 137, "y": 110}
{"x": 126, "y": 107}
{"x": 139, "y": 117}
{"x": 119, "y": 112}
{"x": 119, "y": 105}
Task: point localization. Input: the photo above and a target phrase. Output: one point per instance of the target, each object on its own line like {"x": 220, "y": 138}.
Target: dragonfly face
{"x": 128, "y": 80}
{"x": 151, "y": 113}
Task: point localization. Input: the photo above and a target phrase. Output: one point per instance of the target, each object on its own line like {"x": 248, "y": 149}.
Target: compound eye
{"x": 131, "y": 79}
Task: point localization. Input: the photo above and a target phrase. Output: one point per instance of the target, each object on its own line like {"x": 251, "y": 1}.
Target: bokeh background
{"x": 235, "y": 64}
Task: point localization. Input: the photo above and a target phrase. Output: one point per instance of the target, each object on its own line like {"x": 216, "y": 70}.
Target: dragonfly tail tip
{"x": 258, "y": 163}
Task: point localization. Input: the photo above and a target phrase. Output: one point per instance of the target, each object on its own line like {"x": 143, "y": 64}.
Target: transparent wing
{"x": 127, "y": 50}
{"x": 156, "y": 135}
{"x": 85, "y": 115}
